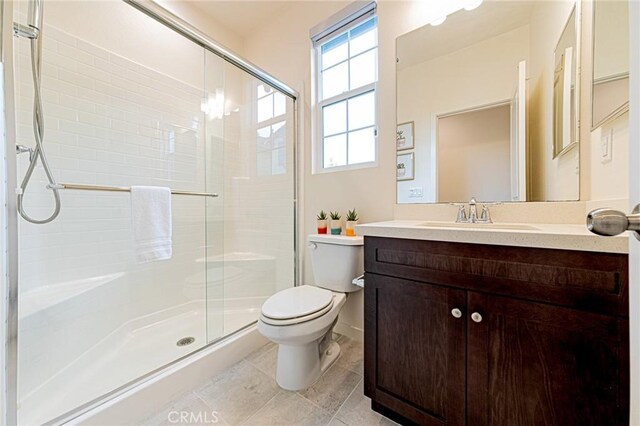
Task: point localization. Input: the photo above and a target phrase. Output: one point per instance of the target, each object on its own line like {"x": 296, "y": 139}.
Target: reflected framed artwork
{"x": 404, "y": 166}
{"x": 404, "y": 136}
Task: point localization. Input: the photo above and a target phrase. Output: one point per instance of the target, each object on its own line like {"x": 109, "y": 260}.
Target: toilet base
{"x": 300, "y": 366}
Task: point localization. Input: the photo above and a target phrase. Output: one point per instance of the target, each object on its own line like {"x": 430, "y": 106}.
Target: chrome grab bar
{"x": 120, "y": 189}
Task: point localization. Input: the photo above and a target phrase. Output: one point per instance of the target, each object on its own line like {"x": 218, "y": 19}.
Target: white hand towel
{"x": 151, "y": 220}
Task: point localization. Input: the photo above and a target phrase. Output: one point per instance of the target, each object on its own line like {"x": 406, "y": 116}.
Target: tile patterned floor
{"x": 247, "y": 394}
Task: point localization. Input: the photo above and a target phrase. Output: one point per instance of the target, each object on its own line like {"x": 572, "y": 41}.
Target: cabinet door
{"x": 536, "y": 364}
{"x": 415, "y": 349}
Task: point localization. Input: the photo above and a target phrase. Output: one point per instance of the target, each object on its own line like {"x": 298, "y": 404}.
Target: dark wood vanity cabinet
{"x": 469, "y": 334}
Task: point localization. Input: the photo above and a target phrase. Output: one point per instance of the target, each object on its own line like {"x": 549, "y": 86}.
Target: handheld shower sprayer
{"x": 34, "y": 22}
{"x": 35, "y": 15}
{"x": 33, "y": 31}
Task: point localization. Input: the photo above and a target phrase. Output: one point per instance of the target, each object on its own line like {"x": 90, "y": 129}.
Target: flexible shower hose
{"x": 38, "y": 131}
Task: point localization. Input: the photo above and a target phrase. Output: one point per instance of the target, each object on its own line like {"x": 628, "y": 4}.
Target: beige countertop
{"x": 542, "y": 235}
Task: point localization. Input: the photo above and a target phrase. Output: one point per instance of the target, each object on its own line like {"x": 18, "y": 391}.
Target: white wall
{"x": 478, "y": 75}
{"x": 474, "y": 155}
{"x": 610, "y": 178}
{"x": 554, "y": 179}
{"x": 210, "y": 25}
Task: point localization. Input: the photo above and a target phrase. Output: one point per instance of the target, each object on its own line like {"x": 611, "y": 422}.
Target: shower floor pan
{"x": 136, "y": 348}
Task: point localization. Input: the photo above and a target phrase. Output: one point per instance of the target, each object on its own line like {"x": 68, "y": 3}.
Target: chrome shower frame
{"x": 10, "y": 291}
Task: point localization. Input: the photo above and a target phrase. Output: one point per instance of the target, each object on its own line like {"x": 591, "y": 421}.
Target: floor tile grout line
{"x": 312, "y": 403}
{"x": 341, "y": 404}
{"x": 253, "y": 363}
{"x": 325, "y": 372}
{"x": 279, "y": 390}
{"x": 244, "y": 422}
{"x": 346, "y": 399}
{"x": 353, "y": 371}
{"x": 330, "y": 420}
{"x": 210, "y": 407}
{"x": 268, "y": 373}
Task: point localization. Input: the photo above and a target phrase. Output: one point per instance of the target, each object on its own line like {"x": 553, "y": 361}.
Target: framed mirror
{"x": 492, "y": 98}
{"x": 610, "y": 79}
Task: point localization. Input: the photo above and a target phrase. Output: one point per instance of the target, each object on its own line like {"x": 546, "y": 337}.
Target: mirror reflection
{"x": 564, "y": 89}
{"x": 487, "y": 105}
{"x": 610, "y": 90}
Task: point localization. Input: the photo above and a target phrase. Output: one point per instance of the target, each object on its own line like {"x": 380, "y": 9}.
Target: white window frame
{"x": 269, "y": 122}
{"x": 343, "y": 22}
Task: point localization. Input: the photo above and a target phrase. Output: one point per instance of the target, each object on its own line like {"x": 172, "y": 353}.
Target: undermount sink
{"x": 487, "y": 226}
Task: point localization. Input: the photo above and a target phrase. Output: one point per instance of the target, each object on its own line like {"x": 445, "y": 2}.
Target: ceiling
{"x": 241, "y": 16}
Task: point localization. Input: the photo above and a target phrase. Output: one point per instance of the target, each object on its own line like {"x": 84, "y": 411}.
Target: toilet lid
{"x": 296, "y": 302}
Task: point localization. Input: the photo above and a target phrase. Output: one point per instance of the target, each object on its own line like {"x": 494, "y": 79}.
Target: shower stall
{"x": 132, "y": 95}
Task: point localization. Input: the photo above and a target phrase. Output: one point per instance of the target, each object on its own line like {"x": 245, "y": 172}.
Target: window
{"x": 345, "y": 109}
{"x": 271, "y": 131}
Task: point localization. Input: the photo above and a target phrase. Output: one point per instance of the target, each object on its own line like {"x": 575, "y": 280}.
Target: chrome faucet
{"x": 473, "y": 212}
{"x": 472, "y": 217}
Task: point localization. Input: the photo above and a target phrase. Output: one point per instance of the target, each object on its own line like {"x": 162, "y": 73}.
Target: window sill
{"x": 349, "y": 168}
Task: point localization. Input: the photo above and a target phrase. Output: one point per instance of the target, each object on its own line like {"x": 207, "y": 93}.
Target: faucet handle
{"x": 462, "y": 212}
{"x": 485, "y": 215}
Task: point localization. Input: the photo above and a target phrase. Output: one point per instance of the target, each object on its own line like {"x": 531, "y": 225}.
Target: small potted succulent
{"x": 322, "y": 222}
{"x": 336, "y": 224}
{"x": 352, "y": 221}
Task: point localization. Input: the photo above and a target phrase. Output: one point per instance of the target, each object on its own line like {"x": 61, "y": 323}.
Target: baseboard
{"x": 142, "y": 401}
{"x": 350, "y": 331}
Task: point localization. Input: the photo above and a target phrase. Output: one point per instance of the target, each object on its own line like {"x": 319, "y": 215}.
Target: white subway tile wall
{"x": 108, "y": 121}
{"x": 84, "y": 301}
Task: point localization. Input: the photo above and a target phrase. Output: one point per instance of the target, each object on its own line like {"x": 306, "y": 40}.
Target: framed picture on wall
{"x": 404, "y": 166}
{"x": 404, "y": 136}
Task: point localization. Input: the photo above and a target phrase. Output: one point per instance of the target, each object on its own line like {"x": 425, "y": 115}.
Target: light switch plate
{"x": 415, "y": 192}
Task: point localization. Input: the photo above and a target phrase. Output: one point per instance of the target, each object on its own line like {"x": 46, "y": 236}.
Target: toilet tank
{"x": 336, "y": 260}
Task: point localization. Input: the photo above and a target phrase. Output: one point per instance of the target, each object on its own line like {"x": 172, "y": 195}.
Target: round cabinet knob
{"x": 476, "y": 317}
{"x": 457, "y": 313}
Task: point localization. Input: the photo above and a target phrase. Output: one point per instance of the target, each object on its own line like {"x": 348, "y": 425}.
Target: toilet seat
{"x": 297, "y": 304}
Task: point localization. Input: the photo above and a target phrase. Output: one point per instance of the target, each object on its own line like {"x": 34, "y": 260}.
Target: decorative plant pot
{"x": 351, "y": 228}
{"x": 322, "y": 226}
{"x": 400, "y": 142}
{"x": 336, "y": 227}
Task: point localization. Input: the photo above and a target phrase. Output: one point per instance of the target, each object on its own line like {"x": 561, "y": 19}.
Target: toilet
{"x": 301, "y": 319}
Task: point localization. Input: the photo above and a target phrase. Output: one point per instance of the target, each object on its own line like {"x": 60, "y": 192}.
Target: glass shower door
{"x": 255, "y": 123}
{"x": 142, "y": 105}
{"x": 121, "y": 108}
